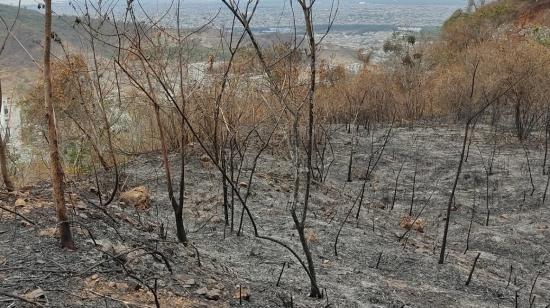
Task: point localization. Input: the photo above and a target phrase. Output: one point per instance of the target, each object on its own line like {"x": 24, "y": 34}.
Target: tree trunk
{"x": 315, "y": 292}
{"x": 180, "y": 229}
{"x": 178, "y": 208}
{"x": 53, "y": 146}
{"x": 452, "y": 196}
{"x": 520, "y": 129}
{"x": 225, "y": 188}
{"x": 3, "y": 155}
{"x": 314, "y": 289}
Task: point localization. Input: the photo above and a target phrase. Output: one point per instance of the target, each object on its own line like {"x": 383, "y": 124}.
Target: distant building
{"x": 10, "y": 121}
{"x": 355, "y": 68}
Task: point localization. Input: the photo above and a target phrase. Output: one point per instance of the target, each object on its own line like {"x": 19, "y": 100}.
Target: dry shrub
{"x": 363, "y": 98}
{"x": 72, "y": 92}
{"x": 434, "y": 82}
{"x": 78, "y": 115}
{"x": 521, "y": 69}
{"x": 409, "y": 222}
{"x": 464, "y": 30}
{"x": 528, "y": 98}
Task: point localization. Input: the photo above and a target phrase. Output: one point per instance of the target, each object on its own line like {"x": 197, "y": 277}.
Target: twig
{"x": 15, "y": 213}
{"x": 470, "y": 227}
{"x": 17, "y": 297}
{"x": 281, "y": 274}
{"x": 510, "y": 275}
{"x": 198, "y": 255}
{"x": 378, "y": 261}
{"x": 473, "y": 268}
{"x": 533, "y": 288}
{"x": 396, "y": 183}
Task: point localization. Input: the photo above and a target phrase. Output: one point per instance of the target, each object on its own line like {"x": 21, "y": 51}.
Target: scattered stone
{"x": 20, "y": 202}
{"x": 120, "y": 248}
{"x": 138, "y": 197}
{"x": 216, "y": 219}
{"x": 206, "y": 162}
{"x": 122, "y": 286}
{"x": 80, "y": 205}
{"x": 205, "y": 158}
{"x": 201, "y": 291}
{"x": 35, "y": 294}
{"x": 377, "y": 205}
{"x": 94, "y": 277}
{"x": 105, "y": 246}
{"x": 255, "y": 252}
{"x": 189, "y": 283}
{"x": 409, "y": 222}
{"x": 213, "y": 294}
{"x": 52, "y": 232}
{"x": 186, "y": 282}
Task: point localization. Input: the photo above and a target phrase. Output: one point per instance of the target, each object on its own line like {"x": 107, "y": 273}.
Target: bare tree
{"x": 296, "y": 112}
{"x": 53, "y": 144}
{"x": 307, "y": 8}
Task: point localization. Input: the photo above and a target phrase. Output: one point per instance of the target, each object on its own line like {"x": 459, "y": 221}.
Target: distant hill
{"x": 519, "y": 12}
{"x": 512, "y": 18}
{"x": 16, "y": 66}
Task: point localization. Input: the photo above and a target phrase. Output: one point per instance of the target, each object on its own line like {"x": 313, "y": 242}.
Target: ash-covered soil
{"x": 122, "y": 259}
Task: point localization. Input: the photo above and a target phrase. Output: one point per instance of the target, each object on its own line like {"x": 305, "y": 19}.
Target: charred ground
{"x": 122, "y": 259}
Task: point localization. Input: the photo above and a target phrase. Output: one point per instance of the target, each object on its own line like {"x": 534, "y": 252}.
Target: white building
{"x": 10, "y": 121}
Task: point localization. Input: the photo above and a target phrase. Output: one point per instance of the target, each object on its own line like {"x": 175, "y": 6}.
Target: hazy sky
{"x": 30, "y": 2}
{"x": 14, "y": 2}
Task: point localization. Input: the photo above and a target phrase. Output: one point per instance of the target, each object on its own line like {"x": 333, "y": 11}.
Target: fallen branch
{"x": 17, "y": 214}
{"x": 17, "y": 297}
{"x": 473, "y": 269}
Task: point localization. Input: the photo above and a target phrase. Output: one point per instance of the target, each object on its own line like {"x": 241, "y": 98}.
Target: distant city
{"x": 279, "y": 13}
{"x": 359, "y": 24}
